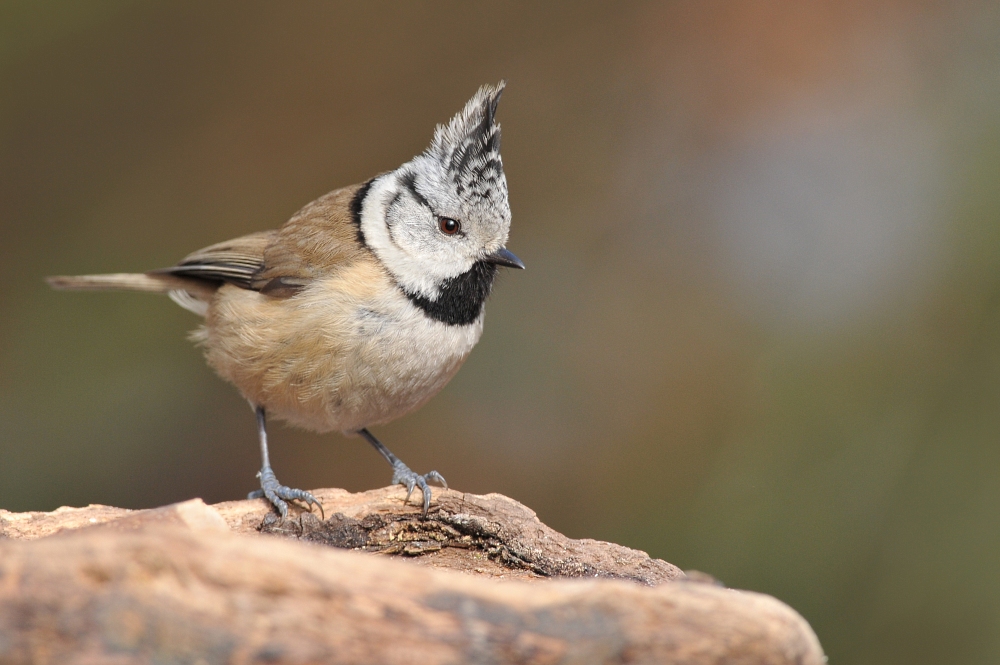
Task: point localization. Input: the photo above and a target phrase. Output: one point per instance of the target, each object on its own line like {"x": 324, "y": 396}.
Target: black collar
{"x": 460, "y": 299}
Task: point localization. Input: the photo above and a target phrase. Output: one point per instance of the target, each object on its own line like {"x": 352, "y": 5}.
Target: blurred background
{"x": 758, "y": 335}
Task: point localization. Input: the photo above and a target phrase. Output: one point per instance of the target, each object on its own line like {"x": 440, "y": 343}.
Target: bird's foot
{"x": 404, "y": 476}
{"x": 279, "y": 495}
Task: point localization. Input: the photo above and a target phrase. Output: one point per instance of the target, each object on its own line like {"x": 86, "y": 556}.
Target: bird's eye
{"x": 449, "y": 226}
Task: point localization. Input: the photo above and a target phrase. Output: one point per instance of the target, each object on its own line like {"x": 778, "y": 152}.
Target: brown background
{"x": 759, "y": 333}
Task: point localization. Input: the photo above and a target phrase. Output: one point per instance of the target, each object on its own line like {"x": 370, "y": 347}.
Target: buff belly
{"x": 345, "y": 353}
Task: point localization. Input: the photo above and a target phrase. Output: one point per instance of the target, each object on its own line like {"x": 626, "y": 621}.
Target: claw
{"x": 436, "y": 477}
{"x": 402, "y": 475}
{"x": 279, "y": 494}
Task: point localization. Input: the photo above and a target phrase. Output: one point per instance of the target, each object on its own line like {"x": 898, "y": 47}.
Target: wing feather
{"x": 233, "y": 261}
{"x": 316, "y": 242}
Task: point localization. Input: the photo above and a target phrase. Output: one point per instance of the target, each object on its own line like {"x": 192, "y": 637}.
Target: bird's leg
{"x": 270, "y": 488}
{"x": 402, "y": 474}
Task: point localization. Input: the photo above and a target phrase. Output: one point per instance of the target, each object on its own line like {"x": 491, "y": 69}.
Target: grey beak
{"x": 504, "y": 257}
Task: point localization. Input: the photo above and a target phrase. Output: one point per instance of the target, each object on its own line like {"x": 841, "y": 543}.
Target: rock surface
{"x": 478, "y": 580}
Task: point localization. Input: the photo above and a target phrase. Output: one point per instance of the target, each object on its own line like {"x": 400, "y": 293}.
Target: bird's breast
{"x": 345, "y": 353}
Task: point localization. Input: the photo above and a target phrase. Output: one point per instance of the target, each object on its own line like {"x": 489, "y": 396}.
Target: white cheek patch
{"x": 403, "y": 221}
{"x": 400, "y": 250}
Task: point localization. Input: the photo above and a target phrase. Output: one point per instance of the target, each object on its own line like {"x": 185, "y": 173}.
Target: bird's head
{"x": 443, "y": 216}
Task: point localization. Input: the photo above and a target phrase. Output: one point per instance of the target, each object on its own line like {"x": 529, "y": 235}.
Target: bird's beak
{"x": 504, "y": 257}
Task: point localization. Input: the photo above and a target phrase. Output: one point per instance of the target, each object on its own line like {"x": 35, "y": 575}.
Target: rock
{"x": 191, "y": 583}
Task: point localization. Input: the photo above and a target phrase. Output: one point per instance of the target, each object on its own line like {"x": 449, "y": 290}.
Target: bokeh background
{"x": 758, "y": 336}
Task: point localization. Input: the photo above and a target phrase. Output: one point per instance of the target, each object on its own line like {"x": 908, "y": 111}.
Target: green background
{"x": 758, "y": 335}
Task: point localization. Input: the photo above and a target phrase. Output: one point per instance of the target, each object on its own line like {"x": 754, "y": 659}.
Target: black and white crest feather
{"x": 469, "y": 149}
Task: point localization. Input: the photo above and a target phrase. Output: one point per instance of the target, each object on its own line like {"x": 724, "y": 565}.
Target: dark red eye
{"x": 449, "y": 226}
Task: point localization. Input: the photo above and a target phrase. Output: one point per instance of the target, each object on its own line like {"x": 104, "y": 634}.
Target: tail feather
{"x": 151, "y": 283}
{"x": 129, "y": 282}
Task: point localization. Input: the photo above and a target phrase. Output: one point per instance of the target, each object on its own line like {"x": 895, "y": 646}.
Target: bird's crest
{"x": 468, "y": 147}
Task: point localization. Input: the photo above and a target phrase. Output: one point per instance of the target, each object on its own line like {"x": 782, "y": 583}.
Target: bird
{"x": 363, "y": 305}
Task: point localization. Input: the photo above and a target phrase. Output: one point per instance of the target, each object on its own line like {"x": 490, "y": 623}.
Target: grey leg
{"x": 402, "y": 474}
{"x": 270, "y": 488}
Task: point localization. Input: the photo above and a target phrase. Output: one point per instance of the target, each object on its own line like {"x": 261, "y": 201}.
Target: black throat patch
{"x": 460, "y": 300}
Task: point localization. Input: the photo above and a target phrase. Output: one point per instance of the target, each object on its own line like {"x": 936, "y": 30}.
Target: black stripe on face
{"x": 409, "y": 181}
{"x": 390, "y": 224}
{"x": 460, "y": 300}
{"x": 356, "y": 203}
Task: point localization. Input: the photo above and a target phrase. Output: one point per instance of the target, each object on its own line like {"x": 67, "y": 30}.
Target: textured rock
{"x": 191, "y": 583}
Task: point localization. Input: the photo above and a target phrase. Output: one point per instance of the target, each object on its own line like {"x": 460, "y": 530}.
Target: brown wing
{"x": 314, "y": 243}
{"x": 233, "y": 261}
